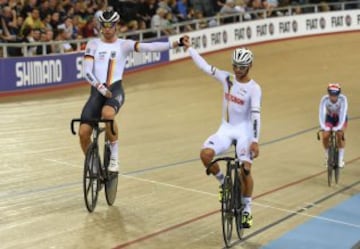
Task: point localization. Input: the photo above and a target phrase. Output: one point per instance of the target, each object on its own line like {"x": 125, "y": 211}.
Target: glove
{"x": 181, "y": 41}
{"x": 102, "y": 89}
{"x": 326, "y": 128}
{"x": 336, "y": 129}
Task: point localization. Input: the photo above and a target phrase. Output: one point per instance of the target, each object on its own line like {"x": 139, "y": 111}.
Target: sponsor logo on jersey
{"x": 234, "y": 99}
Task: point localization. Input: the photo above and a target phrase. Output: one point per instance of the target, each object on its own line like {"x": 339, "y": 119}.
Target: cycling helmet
{"x": 242, "y": 57}
{"x": 334, "y": 89}
{"x": 109, "y": 16}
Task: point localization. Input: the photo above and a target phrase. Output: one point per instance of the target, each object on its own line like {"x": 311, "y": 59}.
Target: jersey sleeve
{"x": 255, "y": 112}
{"x": 128, "y": 46}
{"x": 343, "y": 112}
{"x": 88, "y": 64}
{"x": 322, "y": 112}
{"x": 151, "y": 46}
{"x": 204, "y": 66}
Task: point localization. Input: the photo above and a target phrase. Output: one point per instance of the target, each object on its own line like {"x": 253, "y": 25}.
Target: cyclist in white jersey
{"x": 104, "y": 63}
{"x": 240, "y": 119}
{"x": 333, "y": 116}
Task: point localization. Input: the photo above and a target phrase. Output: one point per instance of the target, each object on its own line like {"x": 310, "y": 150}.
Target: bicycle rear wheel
{"x": 238, "y": 206}
{"x": 111, "y": 180}
{"x": 91, "y": 182}
{"x": 227, "y": 206}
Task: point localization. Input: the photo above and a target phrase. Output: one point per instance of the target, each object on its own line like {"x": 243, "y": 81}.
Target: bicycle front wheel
{"x": 111, "y": 181}
{"x": 238, "y": 207}
{"x": 91, "y": 182}
{"x": 227, "y": 214}
{"x": 331, "y": 163}
{"x": 336, "y": 167}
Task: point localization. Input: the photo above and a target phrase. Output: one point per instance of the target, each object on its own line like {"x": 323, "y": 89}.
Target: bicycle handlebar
{"x": 227, "y": 159}
{"x": 95, "y": 121}
{"x": 321, "y": 130}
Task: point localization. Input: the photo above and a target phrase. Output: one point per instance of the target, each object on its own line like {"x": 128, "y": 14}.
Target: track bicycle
{"x": 333, "y": 157}
{"x": 96, "y": 173}
{"x": 231, "y": 203}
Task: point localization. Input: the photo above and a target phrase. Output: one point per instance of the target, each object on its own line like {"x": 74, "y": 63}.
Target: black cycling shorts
{"x": 95, "y": 103}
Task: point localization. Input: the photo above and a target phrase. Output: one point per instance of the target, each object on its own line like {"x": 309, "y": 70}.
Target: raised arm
{"x": 154, "y": 46}
{"x": 201, "y": 63}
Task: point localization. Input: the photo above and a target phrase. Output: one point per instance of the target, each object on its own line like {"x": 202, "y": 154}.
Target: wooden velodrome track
{"x": 165, "y": 200}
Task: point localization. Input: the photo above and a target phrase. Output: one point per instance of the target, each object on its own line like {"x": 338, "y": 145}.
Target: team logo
{"x": 242, "y": 152}
{"x": 348, "y": 20}
{"x": 248, "y": 32}
{"x": 113, "y": 54}
{"x": 242, "y": 92}
{"x": 295, "y": 26}
{"x": 271, "y": 28}
{"x": 322, "y": 23}
{"x": 225, "y": 37}
{"x": 102, "y": 55}
{"x": 204, "y": 41}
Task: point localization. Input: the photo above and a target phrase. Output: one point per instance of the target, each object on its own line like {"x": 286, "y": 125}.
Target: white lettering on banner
{"x": 79, "y": 67}
{"x": 311, "y": 24}
{"x": 137, "y": 59}
{"x": 284, "y": 27}
{"x": 239, "y": 34}
{"x": 38, "y": 72}
{"x": 261, "y": 30}
{"x": 337, "y": 21}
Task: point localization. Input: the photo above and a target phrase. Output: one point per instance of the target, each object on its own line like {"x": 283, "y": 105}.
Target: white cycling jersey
{"x": 333, "y": 110}
{"x": 241, "y": 101}
{"x": 105, "y": 62}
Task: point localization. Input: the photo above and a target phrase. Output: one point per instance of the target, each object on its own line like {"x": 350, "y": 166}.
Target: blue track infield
{"x": 336, "y": 228}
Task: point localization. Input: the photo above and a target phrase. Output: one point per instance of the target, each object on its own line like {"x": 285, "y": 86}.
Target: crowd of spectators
{"x": 61, "y": 20}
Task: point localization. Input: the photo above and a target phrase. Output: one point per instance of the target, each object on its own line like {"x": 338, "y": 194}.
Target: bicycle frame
{"x": 231, "y": 203}
{"x": 95, "y": 172}
{"x": 333, "y": 156}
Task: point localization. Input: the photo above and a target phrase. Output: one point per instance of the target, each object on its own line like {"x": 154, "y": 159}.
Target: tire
{"x": 238, "y": 206}
{"x": 91, "y": 182}
{"x": 227, "y": 214}
{"x": 111, "y": 180}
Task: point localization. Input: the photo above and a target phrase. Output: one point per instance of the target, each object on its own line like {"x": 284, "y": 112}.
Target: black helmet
{"x": 109, "y": 15}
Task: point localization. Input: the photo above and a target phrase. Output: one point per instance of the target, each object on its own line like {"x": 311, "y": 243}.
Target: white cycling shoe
{"x": 113, "y": 165}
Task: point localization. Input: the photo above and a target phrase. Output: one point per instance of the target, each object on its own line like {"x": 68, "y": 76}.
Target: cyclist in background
{"x": 240, "y": 121}
{"x": 333, "y": 116}
{"x": 104, "y": 63}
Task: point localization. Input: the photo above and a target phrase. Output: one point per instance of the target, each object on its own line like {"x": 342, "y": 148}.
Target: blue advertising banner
{"x": 27, "y": 73}
{"x": 36, "y": 72}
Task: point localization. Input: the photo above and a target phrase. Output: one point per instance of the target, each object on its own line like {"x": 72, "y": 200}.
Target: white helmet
{"x": 242, "y": 56}
{"x": 109, "y": 15}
